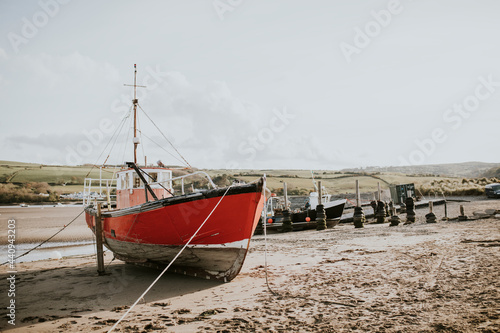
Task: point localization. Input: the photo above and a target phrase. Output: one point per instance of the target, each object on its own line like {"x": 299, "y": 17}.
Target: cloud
{"x": 43, "y": 141}
{"x": 3, "y": 54}
{"x": 58, "y": 70}
{"x": 207, "y": 119}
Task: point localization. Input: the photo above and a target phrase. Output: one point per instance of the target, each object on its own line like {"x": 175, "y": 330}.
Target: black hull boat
{"x": 333, "y": 210}
{"x": 306, "y": 219}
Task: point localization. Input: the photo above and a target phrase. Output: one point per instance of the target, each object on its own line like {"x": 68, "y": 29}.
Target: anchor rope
{"x": 45, "y": 241}
{"x": 170, "y": 264}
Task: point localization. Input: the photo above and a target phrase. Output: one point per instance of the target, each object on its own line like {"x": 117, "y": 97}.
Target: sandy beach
{"x": 37, "y": 223}
{"x": 441, "y": 277}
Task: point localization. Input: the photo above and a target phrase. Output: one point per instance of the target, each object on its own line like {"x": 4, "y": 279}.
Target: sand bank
{"x": 419, "y": 278}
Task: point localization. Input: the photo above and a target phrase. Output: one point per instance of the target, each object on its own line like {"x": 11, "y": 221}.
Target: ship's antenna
{"x": 135, "y": 101}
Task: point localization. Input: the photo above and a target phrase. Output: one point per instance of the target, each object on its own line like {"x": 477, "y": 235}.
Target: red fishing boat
{"x": 150, "y": 224}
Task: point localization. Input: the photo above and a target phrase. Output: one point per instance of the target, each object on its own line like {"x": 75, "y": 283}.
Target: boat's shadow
{"x": 51, "y": 294}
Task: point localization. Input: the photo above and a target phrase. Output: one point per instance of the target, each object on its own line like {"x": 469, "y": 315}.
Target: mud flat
{"x": 37, "y": 223}
{"x": 441, "y": 277}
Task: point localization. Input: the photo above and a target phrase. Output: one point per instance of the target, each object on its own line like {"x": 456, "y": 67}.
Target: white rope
{"x": 264, "y": 222}
{"x": 166, "y": 268}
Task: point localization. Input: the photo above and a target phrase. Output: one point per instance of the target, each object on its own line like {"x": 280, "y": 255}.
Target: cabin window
{"x": 137, "y": 182}
{"x": 154, "y": 177}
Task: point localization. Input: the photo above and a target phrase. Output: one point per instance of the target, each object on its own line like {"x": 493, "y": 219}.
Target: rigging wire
{"x": 45, "y": 241}
{"x": 164, "y": 136}
{"x": 161, "y": 147}
{"x": 122, "y": 124}
{"x": 126, "y": 140}
{"x": 140, "y": 134}
{"x": 104, "y": 149}
{"x": 171, "y": 262}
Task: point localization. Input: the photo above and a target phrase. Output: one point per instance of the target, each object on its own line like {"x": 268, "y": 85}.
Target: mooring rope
{"x": 264, "y": 222}
{"x": 45, "y": 241}
{"x": 170, "y": 264}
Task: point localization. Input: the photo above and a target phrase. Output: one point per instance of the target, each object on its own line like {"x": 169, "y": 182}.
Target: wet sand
{"x": 441, "y": 277}
{"x": 37, "y": 223}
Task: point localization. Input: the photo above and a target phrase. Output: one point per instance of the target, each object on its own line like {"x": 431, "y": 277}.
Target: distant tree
{"x": 53, "y": 196}
{"x": 223, "y": 180}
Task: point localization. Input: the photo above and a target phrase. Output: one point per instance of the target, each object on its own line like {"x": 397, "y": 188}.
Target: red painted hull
{"x": 153, "y": 233}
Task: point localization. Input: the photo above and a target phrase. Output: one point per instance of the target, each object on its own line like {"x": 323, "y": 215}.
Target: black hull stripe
{"x": 206, "y": 194}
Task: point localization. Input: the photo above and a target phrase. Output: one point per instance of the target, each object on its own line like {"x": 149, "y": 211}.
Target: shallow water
{"x": 50, "y": 250}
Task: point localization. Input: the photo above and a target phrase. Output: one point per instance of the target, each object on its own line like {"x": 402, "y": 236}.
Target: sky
{"x": 283, "y": 84}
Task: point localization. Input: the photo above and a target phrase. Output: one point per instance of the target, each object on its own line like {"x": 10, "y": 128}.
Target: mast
{"x": 136, "y": 139}
{"x": 135, "y": 101}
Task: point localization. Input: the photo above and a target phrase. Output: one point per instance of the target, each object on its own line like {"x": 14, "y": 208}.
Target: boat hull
{"x": 153, "y": 233}
{"x": 333, "y": 210}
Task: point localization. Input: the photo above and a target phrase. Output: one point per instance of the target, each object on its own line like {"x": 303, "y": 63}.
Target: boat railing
{"x": 184, "y": 177}
{"x": 98, "y": 190}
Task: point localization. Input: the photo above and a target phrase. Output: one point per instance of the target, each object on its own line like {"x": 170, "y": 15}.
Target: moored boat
{"x": 151, "y": 224}
{"x": 305, "y": 217}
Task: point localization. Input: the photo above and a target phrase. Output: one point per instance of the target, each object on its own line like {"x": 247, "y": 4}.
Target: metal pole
{"x": 99, "y": 238}
{"x": 358, "y": 198}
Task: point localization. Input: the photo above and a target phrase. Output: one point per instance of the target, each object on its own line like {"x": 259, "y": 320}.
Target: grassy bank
{"x": 25, "y": 182}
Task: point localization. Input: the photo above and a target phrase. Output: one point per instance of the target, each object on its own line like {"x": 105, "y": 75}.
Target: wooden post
{"x": 358, "y": 215}
{"x": 285, "y": 195}
{"x": 431, "y": 217}
{"x": 462, "y": 216}
{"x": 99, "y": 237}
{"x": 320, "y": 210}
{"x": 287, "y": 224}
{"x": 320, "y": 194}
{"x": 358, "y": 198}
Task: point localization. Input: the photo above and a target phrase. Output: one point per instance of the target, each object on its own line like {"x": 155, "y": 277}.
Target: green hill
{"x": 28, "y": 178}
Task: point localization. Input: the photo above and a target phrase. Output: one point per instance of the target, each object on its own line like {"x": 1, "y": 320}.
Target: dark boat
{"x": 333, "y": 210}
{"x": 305, "y": 218}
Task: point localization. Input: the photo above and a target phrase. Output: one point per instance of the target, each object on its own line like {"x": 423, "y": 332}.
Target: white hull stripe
{"x": 242, "y": 244}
